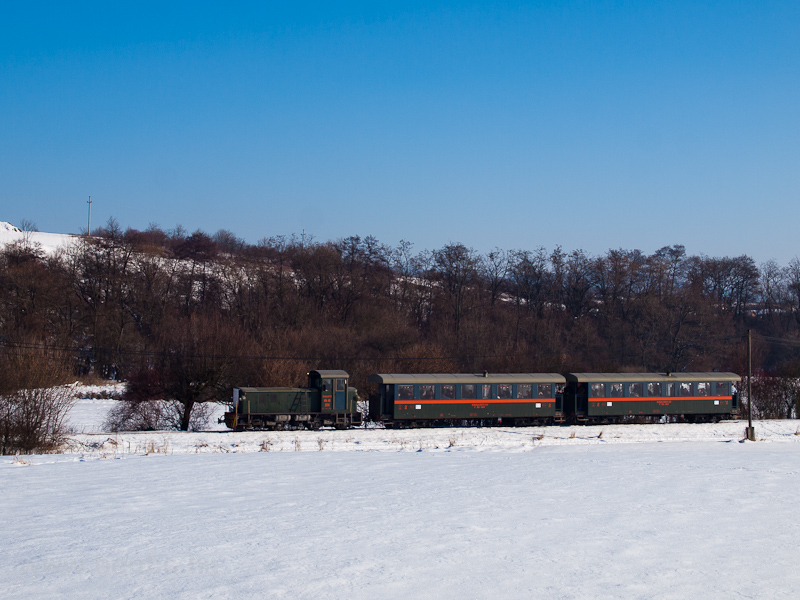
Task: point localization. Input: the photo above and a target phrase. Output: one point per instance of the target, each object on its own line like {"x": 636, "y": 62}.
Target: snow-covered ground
{"x": 647, "y": 520}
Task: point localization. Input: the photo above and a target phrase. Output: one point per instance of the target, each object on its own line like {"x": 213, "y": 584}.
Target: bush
{"x": 154, "y": 415}
{"x": 33, "y": 402}
{"x": 33, "y": 420}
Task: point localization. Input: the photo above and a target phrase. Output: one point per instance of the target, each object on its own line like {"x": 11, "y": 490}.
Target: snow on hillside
{"x": 650, "y": 520}
{"x": 49, "y": 242}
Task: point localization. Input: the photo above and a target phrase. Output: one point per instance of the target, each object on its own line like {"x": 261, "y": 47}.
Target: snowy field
{"x": 655, "y": 511}
{"x": 648, "y": 520}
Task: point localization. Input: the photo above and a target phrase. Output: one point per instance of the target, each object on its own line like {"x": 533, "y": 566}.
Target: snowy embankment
{"x": 427, "y": 440}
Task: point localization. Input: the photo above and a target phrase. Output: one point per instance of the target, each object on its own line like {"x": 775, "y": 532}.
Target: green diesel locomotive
{"x": 326, "y": 402}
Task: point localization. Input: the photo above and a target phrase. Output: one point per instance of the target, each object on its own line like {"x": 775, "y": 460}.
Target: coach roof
{"x": 467, "y": 378}
{"x": 648, "y": 377}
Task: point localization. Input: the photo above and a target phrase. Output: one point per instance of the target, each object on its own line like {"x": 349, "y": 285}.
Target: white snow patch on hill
{"x": 49, "y": 242}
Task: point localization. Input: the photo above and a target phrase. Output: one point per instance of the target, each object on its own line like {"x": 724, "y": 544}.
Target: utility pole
{"x": 89, "y": 225}
{"x": 750, "y": 432}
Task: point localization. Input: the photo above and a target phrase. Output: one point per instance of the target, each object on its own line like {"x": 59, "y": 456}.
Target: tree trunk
{"x": 187, "y": 413}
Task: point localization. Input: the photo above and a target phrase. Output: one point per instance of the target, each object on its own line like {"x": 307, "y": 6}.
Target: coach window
{"x": 486, "y": 392}
{"x": 653, "y": 389}
{"x": 669, "y": 389}
{"x": 703, "y": 389}
{"x": 722, "y": 388}
{"x": 524, "y": 390}
{"x": 426, "y": 391}
{"x": 615, "y": 390}
{"x": 686, "y": 389}
{"x": 448, "y": 391}
{"x": 545, "y": 390}
{"x": 598, "y": 390}
{"x": 635, "y": 390}
{"x": 405, "y": 392}
{"x": 468, "y": 391}
{"x": 504, "y": 391}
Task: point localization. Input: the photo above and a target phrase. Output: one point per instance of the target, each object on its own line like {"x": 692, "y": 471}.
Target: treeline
{"x": 187, "y": 316}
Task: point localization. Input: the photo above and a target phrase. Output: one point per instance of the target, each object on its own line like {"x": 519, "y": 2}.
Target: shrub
{"x": 33, "y": 402}
{"x": 33, "y": 420}
{"x": 154, "y": 415}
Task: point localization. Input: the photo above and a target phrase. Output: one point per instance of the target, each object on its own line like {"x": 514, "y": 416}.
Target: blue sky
{"x": 590, "y": 125}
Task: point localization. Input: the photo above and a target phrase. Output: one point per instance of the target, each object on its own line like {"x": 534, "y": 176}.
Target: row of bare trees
{"x": 187, "y": 316}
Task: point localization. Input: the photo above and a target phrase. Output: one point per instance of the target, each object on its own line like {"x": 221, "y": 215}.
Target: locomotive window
{"x": 615, "y": 390}
{"x": 524, "y": 390}
{"x": 722, "y": 388}
{"x": 635, "y": 390}
{"x": 686, "y": 389}
{"x": 598, "y": 390}
{"x": 327, "y": 385}
{"x": 703, "y": 388}
{"x": 426, "y": 391}
{"x": 340, "y": 385}
{"x": 669, "y": 389}
{"x": 448, "y": 391}
{"x": 468, "y": 391}
{"x": 405, "y": 392}
{"x": 653, "y": 389}
{"x": 486, "y": 392}
{"x": 504, "y": 391}
{"x": 545, "y": 390}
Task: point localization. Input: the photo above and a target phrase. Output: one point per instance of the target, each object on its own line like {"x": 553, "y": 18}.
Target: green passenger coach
{"x": 412, "y": 400}
{"x": 607, "y": 397}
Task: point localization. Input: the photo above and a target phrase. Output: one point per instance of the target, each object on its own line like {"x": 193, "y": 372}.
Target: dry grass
{"x": 20, "y": 462}
{"x": 150, "y": 447}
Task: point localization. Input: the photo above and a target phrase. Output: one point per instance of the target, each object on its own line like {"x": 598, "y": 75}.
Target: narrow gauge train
{"x": 513, "y": 399}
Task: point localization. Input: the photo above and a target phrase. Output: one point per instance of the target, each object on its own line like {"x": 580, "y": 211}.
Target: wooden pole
{"x": 750, "y": 432}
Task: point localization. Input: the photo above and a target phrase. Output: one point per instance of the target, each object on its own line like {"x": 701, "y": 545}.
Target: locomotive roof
{"x": 646, "y": 377}
{"x": 248, "y": 390}
{"x": 467, "y": 378}
{"x": 331, "y": 374}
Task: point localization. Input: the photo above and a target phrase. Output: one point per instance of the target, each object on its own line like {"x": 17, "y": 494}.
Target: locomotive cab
{"x": 332, "y": 386}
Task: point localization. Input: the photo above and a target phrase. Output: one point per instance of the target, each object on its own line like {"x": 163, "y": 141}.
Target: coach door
{"x": 340, "y": 394}
{"x": 327, "y": 394}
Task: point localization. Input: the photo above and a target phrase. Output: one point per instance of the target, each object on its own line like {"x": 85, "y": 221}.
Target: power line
{"x": 471, "y": 357}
